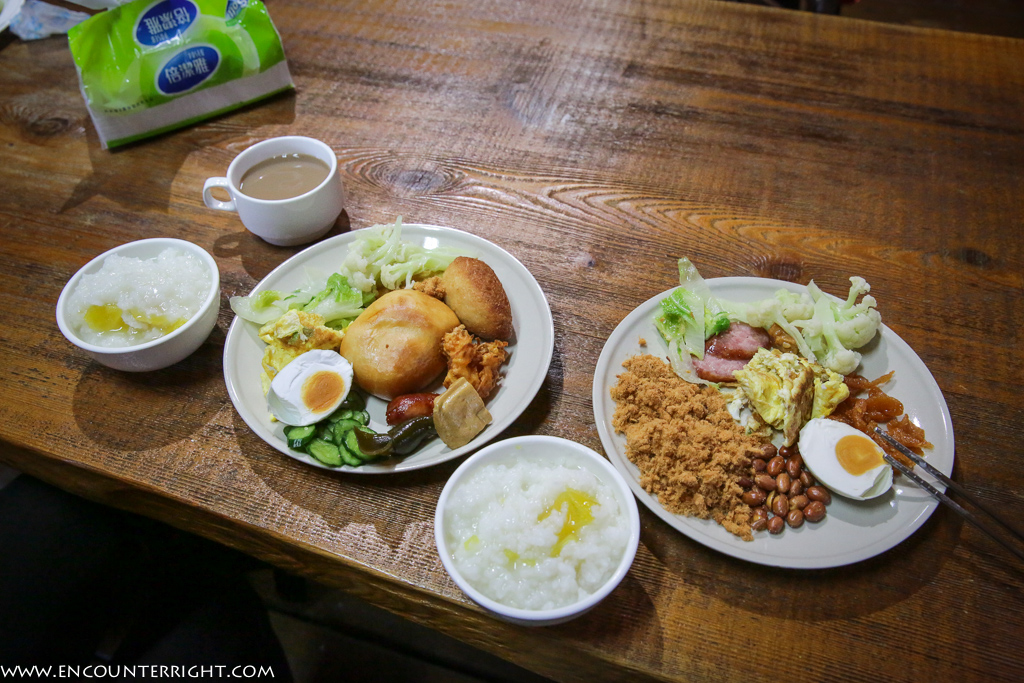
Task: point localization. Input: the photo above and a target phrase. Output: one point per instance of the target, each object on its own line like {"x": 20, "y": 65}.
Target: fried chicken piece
{"x": 476, "y": 361}
{"x": 432, "y": 286}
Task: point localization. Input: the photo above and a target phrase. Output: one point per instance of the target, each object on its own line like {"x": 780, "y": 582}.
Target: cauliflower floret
{"x": 767, "y": 312}
{"x": 836, "y": 329}
{"x": 824, "y": 331}
{"x": 795, "y": 306}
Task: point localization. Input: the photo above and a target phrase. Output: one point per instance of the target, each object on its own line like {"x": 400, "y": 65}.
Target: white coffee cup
{"x": 282, "y": 222}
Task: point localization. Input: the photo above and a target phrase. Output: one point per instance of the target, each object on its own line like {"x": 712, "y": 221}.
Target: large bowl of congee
{"x": 536, "y": 529}
{"x": 142, "y": 306}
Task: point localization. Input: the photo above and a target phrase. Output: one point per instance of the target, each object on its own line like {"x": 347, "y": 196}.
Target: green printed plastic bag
{"x": 155, "y": 65}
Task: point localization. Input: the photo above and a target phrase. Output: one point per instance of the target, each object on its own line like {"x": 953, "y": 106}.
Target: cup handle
{"x": 212, "y": 201}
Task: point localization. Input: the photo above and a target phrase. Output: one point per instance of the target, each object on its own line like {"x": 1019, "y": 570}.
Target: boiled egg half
{"x": 844, "y": 459}
{"x": 310, "y": 387}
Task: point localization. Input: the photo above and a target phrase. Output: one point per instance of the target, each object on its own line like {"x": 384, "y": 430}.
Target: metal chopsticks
{"x": 949, "y": 483}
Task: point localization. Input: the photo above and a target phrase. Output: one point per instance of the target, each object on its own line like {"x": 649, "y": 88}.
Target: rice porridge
{"x": 131, "y": 301}
{"x": 535, "y": 533}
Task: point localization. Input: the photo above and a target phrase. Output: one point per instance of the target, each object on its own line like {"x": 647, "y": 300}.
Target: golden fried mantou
{"x": 474, "y": 292}
{"x": 395, "y": 344}
{"x": 473, "y": 360}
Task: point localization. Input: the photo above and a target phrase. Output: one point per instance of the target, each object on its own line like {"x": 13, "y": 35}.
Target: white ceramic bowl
{"x": 158, "y": 353}
{"x": 540, "y": 446}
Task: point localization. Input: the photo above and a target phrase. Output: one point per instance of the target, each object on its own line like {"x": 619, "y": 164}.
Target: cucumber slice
{"x": 350, "y": 458}
{"x": 354, "y": 401}
{"x": 299, "y": 437}
{"x": 326, "y": 452}
{"x": 341, "y": 427}
{"x": 341, "y": 414}
{"x": 352, "y": 444}
{"x": 324, "y": 430}
{"x": 361, "y": 416}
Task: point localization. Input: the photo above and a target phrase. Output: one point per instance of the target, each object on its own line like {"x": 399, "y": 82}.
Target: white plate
{"x": 852, "y": 531}
{"x": 529, "y": 354}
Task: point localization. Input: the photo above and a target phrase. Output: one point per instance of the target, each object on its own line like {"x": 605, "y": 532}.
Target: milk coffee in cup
{"x": 286, "y": 190}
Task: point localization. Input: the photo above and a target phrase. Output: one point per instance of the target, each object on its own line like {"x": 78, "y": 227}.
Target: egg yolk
{"x": 108, "y": 318}
{"x": 858, "y": 454}
{"x": 321, "y": 390}
{"x": 577, "y": 517}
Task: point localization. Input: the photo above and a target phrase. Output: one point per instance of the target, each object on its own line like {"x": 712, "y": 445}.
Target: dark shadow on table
{"x": 259, "y": 257}
{"x": 151, "y": 191}
{"x": 604, "y": 629}
{"x": 834, "y": 593}
{"x": 140, "y": 411}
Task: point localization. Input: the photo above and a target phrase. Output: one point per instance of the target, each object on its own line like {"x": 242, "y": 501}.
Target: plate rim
{"x": 546, "y": 325}
{"x": 693, "y": 527}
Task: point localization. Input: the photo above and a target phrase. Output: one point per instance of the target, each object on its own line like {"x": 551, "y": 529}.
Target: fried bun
{"x": 394, "y": 346}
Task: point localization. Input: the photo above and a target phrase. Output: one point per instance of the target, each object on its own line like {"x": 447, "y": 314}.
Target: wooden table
{"x": 597, "y": 142}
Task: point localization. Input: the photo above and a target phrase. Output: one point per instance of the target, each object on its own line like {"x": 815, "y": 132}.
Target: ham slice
{"x": 729, "y": 351}
{"x": 715, "y": 369}
{"x": 738, "y": 342}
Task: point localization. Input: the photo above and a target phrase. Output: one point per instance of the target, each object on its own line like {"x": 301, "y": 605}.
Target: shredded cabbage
{"x": 715, "y": 318}
{"x": 678, "y": 323}
{"x": 337, "y": 301}
{"x": 377, "y": 259}
{"x": 689, "y": 316}
{"x": 259, "y": 308}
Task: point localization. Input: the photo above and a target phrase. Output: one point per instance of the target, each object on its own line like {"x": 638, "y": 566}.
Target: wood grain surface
{"x": 597, "y": 142}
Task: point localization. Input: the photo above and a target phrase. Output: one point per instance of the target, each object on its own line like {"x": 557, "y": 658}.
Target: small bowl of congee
{"x": 142, "y": 306}
{"x": 536, "y": 529}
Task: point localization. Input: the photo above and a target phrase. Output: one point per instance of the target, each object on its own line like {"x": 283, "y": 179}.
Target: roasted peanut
{"x": 819, "y": 493}
{"x": 765, "y": 481}
{"x": 794, "y": 466}
{"x": 754, "y": 497}
{"x": 782, "y": 483}
{"x": 780, "y": 506}
{"x": 799, "y": 502}
{"x": 815, "y": 511}
{"x": 786, "y": 451}
{"x": 795, "y": 518}
{"x": 775, "y": 465}
{"x": 760, "y": 519}
{"x": 807, "y": 479}
{"x": 745, "y": 482}
{"x": 759, "y": 465}
{"x": 776, "y": 525}
{"x": 796, "y": 488}
{"x": 408, "y": 406}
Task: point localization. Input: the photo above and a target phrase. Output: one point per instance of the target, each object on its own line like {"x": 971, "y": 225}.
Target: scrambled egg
{"x": 291, "y": 335}
{"x": 786, "y": 390}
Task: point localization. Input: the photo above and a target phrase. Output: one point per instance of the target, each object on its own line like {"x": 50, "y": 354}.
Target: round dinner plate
{"x": 529, "y": 352}
{"x": 853, "y": 530}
